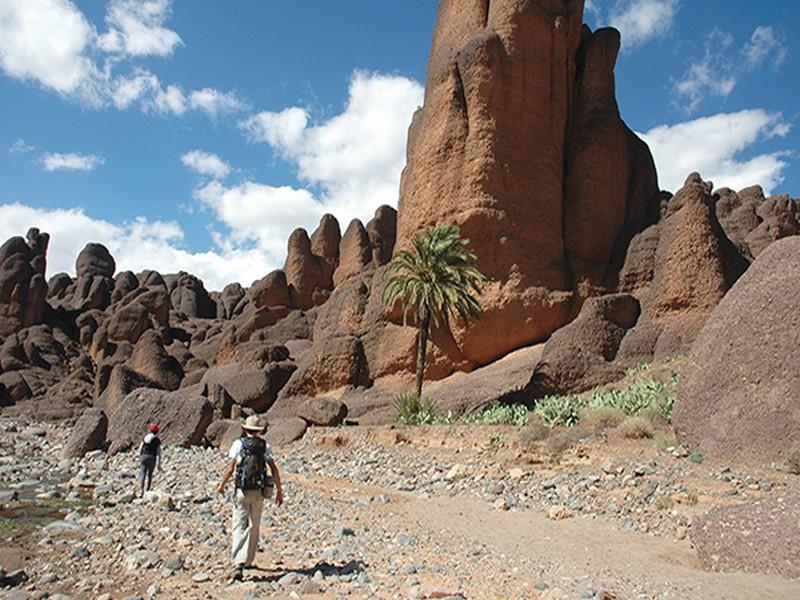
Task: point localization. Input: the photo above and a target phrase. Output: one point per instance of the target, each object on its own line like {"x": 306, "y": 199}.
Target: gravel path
{"x": 473, "y": 512}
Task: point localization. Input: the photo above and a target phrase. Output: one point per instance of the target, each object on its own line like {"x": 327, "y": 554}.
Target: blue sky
{"x": 197, "y": 134}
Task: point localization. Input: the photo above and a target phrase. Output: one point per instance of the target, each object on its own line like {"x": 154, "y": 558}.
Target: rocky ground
{"x": 379, "y": 512}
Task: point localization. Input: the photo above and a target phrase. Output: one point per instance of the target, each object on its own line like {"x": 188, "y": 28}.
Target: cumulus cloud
{"x": 45, "y": 41}
{"x": 714, "y": 146}
{"x": 71, "y": 161}
{"x": 206, "y": 163}
{"x": 136, "y": 245}
{"x": 720, "y": 69}
{"x": 354, "y": 158}
{"x": 51, "y": 42}
{"x": 136, "y": 28}
{"x": 640, "y": 21}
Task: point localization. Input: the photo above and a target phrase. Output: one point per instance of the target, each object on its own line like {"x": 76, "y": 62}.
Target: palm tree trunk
{"x": 422, "y": 349}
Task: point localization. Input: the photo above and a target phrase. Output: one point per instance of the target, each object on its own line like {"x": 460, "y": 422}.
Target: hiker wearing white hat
{"x": 249, "y": 456}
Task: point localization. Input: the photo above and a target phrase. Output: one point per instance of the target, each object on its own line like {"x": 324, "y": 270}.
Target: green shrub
{"x": 410, "y": 409}
{"x": 559, "y": 410}
{"x": 639, "y": 397}
{"x": 793, "y": 458}
{"x": 500, "y": 414}
{"x": 696, "y": 456}
{"x": 635, "y": 428}
{"x": 602, "y": 416}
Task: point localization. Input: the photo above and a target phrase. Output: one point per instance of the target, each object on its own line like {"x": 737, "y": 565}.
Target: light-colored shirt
{"x": 236, "y": 452}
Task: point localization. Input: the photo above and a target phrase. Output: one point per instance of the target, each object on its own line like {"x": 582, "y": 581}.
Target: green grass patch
{"x": 500, "y": 414}
{"x": 411, "y": 409}
{"x": 559, "y": 410}
{"x": 696, "y": 456}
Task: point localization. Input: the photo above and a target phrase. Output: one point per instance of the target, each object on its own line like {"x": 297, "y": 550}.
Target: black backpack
{"x": 151, "y": 448}
{"x": 251, "y": 472}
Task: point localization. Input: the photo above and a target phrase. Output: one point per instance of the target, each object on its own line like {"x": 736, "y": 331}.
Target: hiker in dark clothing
{"x": 149, "y": 458}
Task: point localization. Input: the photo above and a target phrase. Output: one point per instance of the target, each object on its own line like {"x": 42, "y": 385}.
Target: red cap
{"x": 153, "y": 427}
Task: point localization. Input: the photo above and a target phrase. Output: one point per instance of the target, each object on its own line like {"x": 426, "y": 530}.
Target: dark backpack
{"x": 251, "y": 472}
{"x": 151, "y": 448}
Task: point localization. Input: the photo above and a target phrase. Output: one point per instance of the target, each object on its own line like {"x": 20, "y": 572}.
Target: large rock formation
{"x": 739, "y": 393}
{"x": 23, "y": 289}
{"x": 521, "y": 145}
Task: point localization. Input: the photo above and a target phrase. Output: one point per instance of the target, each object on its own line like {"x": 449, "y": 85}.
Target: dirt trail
{"x": 581, "y": 547}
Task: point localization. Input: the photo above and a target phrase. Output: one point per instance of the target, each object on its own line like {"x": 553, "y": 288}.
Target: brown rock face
{"x": 270, "y": 291}
{"x": 355, "y": 252}
{"x": 325, "y": 245}
{"x": 23, "y": 289}
{"x": 739, "y": 393}
{"x": 182, "y": 416}
{"x": 521, "y": 145}
{"x": 303, "y": 271}
{"x": 679, "y": 269}
{"x": 582, "y": 355}
{"x": 88, "y": 434}
{"x": 382, "y": 231}
{"x": 190, "y": 298}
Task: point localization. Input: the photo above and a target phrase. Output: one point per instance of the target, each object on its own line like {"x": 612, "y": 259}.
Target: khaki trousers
{"x": 247, "y": 506}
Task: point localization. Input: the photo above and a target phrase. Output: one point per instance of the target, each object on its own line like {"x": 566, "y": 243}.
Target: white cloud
{"x": 355, "y": 157}
{"x": 20, "y": 146}
{"x": 136, "y": 28}
{"x": 44, "y": 41}
{"x": 720, "y": 70}
{"x": 136, "y": 245}
{"x": 712, "y": 146}
{"x": 206, "y": 163}
{"x": 764, "y": 42}
{"x": 261, "y": 215}
{"x": 52, "y": 43}
{"x": 213, "y": 102}
{"x": 640, "y": 21}
{"x": 71, "y": 161}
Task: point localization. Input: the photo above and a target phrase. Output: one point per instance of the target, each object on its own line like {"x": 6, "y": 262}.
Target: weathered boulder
{"x": 355, "y": 253}
{"x": 322, "y": 411}
{"x": 122, "y": 380}
{"x": 303, "y": 271}
{"x": 758, "y": 537}
{"x": 581, "y": 355}
{"x": 382, "y": 232}
{"x": 190, "y": 298}
{"x": 155, "y": 363}
{"x": 752, "y": 222}
{"x": 679, "y": 270}
{"x": 325, "y": 245}
{"x": 95, "y": 260}
{"x": 124, "y": 283}
{"x": 270, "y": 291}
{"x": 182, "y": 416}
{"x": 249, "y": 387}
{"x": 520, "y": 144}
{"x": 23, "y": 289}
{"x": 88, "y": 434}
{"x": 222, "y": 433}
{"x": 286, "y": 431}
{"x": 739, "y": 395}
{"x": 94, "y": 269}
{"x": 232, "y": 294}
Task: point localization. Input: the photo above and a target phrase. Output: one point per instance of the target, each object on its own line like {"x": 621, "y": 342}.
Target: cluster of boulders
{"x": 150, "y": 347}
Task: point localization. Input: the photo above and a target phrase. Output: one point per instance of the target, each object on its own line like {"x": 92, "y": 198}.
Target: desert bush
{"x": 558, "y": 410}
{"x": 602, "y": 416}
{"x": 500, "y": 414}
{"x": 665, "y": 442}
{"x": 635, "y": 428}
{"x": 411, "y": 409}
{"x": 696, "y": 456}
{"x": 663, "y": 503}
{"x": 647, "y": 395}
{"x": 793, "y": 458}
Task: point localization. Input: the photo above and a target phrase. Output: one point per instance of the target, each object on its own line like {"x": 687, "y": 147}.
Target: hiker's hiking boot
{"x": 237, "y": 573}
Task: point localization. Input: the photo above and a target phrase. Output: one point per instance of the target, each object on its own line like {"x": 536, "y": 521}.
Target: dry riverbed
{"x": 446, "y": 511}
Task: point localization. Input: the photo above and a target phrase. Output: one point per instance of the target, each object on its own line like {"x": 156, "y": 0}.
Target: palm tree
{"x": 437, "y": 278}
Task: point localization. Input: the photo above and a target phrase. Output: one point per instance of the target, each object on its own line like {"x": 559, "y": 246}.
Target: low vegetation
{"x": 636, "y": 428}
{"x": 603, "y": 417}
{"x": 500, "y": 414}
{"x": 559, "y": 410}
{"x": 411, "y": 409}
{"x": 696, "y": 456}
